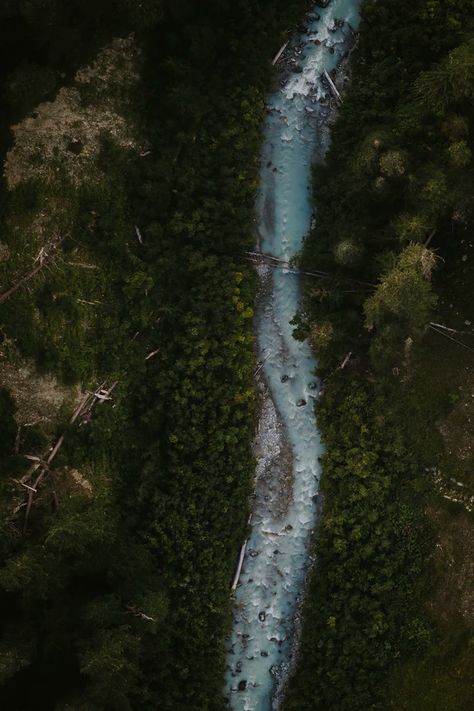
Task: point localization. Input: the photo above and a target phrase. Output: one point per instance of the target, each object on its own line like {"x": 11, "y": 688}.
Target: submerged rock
{"x": 274, "y": 670}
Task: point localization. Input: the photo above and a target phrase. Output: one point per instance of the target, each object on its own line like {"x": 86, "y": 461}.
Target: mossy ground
{"x": 440, "y": 397}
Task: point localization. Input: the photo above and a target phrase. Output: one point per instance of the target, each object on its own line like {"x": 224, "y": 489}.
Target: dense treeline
{"x": 394, "y": 205}
{"x": 114, "y": 589}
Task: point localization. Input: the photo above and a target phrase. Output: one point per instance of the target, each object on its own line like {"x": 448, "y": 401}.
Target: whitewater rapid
{"x": 288, "y": 446}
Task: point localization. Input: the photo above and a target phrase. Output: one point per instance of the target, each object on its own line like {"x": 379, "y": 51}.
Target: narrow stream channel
{"x": 284, "y": 512}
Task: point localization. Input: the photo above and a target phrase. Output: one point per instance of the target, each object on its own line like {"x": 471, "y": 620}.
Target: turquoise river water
{"x": 267, "y": 599}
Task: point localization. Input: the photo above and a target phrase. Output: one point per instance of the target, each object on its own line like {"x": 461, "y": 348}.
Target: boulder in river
{"x": 301, "y": 403}
{"x": 242, "y": 685}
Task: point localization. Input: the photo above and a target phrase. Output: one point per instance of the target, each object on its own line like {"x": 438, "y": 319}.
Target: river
{"x": 268, "y": 596}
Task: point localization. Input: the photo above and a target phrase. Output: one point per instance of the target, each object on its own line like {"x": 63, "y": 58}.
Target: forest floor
{"x": 440, "y": 677}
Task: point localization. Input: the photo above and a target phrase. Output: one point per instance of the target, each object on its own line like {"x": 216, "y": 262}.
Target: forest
{"x": 130, "y": 138}
{"x": 387, "y": 618}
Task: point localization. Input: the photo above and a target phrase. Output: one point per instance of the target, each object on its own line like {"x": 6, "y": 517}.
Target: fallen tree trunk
{"x": 279, "y": 53}
{"x": 333, "y": 86}
{"x": 235, "y": 582}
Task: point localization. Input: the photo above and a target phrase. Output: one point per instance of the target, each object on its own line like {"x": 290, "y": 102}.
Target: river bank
{"x": 388, "y": 613}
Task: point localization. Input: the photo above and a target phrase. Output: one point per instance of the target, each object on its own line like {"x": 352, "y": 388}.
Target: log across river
{"x": 268, "y": 595}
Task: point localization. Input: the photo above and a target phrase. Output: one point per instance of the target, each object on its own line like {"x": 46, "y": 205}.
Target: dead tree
{"x": 43, "y": 465}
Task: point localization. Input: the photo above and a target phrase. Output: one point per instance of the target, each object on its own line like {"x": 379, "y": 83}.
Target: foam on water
{"x": 288, "y": 444}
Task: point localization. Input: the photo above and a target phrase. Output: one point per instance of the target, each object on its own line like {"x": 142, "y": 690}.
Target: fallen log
{"x": 446, "y": 335}
{"x": 138, "y": 613}
{"x": 139, "y": 234}
{"x": 235, "y": 582}
{"x": 260, "y": 366}
{"x": 83, "y": 265}
{"x": 346, "y": 360}
{"x": 152, "y": 354}
{"x": 332, "y": 86}
{"x": 263, "y": 255}
{"x": 55, "y": 449}
{"x": 239, "y": 566}
{"x": 79, "y": 409}
{"x": 18, "y": 481}
{"x": 445, "y": 328}
{"x": 279, "y": 53}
